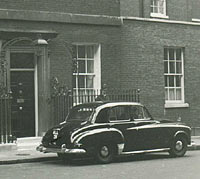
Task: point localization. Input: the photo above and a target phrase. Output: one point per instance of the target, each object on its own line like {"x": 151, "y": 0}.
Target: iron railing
{"x": 5, "y": 118}
{"x": 63, "y": 101}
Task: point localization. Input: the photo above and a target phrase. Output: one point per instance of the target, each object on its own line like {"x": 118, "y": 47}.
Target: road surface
{"x": 149, "y": 166}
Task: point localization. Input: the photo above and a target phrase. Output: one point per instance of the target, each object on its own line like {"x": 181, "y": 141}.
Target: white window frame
{"x": 97, "y": 68}
{"x": 159, "y": 14}
{"x": 175, "y": 103}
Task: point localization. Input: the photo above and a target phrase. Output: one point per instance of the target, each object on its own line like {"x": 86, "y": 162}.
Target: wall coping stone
{"x": 46, "y": 16}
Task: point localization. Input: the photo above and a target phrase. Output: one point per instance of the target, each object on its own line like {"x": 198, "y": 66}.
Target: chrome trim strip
{"x": 180, "y": 132}
{"x": 158, "y": 126}
{"x": 145, "y": 151}
{"x": 43, "y": 149}
{"x": 86, "y": 127}
{"x": 95, "y": 131}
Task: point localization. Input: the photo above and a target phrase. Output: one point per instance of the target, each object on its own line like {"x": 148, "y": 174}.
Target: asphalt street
{"x": 149, "y": 166}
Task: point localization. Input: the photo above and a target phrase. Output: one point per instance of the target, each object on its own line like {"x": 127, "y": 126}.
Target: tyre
{"x": 179, "y": 147}
{"x": 105, "y": 153}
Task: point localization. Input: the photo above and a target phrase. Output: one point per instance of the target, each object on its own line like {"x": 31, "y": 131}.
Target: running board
{"x": 146, "y": 151}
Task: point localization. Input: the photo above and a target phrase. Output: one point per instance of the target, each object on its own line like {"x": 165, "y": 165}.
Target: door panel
{"x": 23, "y": 105}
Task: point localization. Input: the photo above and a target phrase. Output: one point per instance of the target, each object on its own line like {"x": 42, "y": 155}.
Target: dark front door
{"x": 23, "y": 107}
{"x": 22, "y": 87}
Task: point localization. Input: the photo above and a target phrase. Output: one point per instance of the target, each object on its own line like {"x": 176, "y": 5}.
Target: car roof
{"x": 106, "y": 104}
{"x": 91, "y": 104}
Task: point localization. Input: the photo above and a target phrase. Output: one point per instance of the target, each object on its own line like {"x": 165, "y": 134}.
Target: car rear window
{"x": 80, "y": 113}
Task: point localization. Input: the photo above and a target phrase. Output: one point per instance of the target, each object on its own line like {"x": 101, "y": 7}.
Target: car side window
{"x": 136, "y": 112}
{"x": 102, "y": 116}
{"x": 119, "y": 113}
{"x": 146, "y": 114}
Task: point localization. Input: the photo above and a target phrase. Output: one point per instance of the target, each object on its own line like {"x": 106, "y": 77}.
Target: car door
{"x": 148, "y": 131}
{"x": 119, "y": 118}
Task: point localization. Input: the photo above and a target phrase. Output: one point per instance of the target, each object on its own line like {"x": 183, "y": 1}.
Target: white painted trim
{"x": 160, "y": 20}
{"x": 196, "y": 20}
{"x": 158, "y": 15}
{"x": 176, "y": 105}
{"x": 22, "y": 69}
{"x": 36, "y": 98}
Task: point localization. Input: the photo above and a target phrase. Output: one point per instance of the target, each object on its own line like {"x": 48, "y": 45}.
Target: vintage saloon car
{"x": 107, "y": 129}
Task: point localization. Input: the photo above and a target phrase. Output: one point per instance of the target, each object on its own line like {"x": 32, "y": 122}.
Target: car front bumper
{"x": 63, "y": 150}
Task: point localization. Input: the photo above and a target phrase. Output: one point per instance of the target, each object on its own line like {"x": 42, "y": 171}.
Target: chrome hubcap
{"x": 104, "y": 151}
{"x": 179, "y": 145}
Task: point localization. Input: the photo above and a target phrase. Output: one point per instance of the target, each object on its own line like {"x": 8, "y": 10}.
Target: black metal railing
{"x": 64, "y": 100}
{"x": 5, "y": 118}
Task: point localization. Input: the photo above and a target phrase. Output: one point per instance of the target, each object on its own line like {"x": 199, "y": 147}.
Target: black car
{"x": 105, "y": 130}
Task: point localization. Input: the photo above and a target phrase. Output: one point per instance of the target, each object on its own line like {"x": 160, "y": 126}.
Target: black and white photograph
{"x": 100, "y": 89}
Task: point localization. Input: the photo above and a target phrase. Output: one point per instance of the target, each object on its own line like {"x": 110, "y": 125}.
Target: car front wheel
{"x": 179, "y": 147}
{"x": 105, "y": 153}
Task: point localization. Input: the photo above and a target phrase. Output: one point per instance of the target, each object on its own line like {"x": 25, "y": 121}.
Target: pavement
{"x": 24, "y": 151}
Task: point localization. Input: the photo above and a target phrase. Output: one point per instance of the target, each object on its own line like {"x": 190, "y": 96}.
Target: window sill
{"x": 196, "y": 20}
{"x": 157, "y": 15}
{"x": 176, "y": 105}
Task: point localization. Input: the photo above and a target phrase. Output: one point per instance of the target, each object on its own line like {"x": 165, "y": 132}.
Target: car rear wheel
{"x": 105, "y": 153}
{"x": 179, "y": 147}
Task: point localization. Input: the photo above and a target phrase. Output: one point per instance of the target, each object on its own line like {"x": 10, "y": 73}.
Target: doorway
{"x": 22, "y": 83}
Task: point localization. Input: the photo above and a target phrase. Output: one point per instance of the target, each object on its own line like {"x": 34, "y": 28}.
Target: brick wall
{"x": 180, "y": 10}
{"x": 99, "y": 7}
{"x": 142, "y": 65}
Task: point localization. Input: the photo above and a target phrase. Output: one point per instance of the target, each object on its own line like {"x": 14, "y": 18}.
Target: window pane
{"x": 122, "y": 112}
{"x": 81, "y": 66}
{"x": 161, "y": 6}
{"x": 166, "y": 81}
{"x": 22, "y": 60}
{"x": 152, "y": 9}
{"x": 171, "y": 54}
{"x": 90, "y": 66}
{"x": 90, "y": 51}
{"x": 171, "y": 67}
{"x": 74, "y": 81}
{"x": 155, "y": 9}
{"x": 178, "y": 67}
{"x": 81, "y": 81}
{"x": 136, "y": 112}
{"x": 171, "y": 81}
{"x": 156, "y": 2}
{"x": 178, "y": 81}
{"x": 178, "y": 94}
{"x": 171, "y": 94}
{"x": 178, "y": 54}
{"x": 89, "y": 81}
{"x": 81, "y": 51}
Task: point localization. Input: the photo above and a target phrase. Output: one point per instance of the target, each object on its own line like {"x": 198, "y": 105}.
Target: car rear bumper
{"x": 43, "y": 149}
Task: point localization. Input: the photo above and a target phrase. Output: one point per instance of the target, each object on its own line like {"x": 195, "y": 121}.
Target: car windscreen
{"x": 80, "y": 113}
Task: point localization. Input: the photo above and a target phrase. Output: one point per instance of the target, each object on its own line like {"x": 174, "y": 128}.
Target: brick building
{"x": 152, "y": 45}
